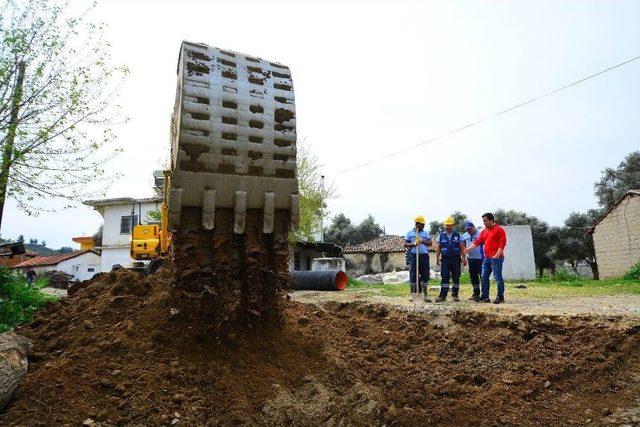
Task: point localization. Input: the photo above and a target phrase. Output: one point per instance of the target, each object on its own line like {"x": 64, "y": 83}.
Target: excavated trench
{"x": 121, "y": 350}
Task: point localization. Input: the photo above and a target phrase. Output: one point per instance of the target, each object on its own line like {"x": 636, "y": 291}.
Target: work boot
{"x": 498, "y": 300}
{"x": 425, "y": 297}
{"x": 485, "y": 300}
{"x": 454, "y": 294}
{"x": 476, "y": 295}
{"x": 443, "y": 295}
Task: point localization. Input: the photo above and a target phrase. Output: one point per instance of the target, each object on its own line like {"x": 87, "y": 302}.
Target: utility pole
{"x": 7, "y": 153}
{"x": 322, "y": 210}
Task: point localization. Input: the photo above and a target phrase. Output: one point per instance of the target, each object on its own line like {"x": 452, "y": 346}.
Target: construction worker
{"x": 449, "y": 256}
{"x": 474, "y": 258}
{"x": 494, "y": 239}
{"x": 418, "y": 241}
{"x": 31, "y": 276}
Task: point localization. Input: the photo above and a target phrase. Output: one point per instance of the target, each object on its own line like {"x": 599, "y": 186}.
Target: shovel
{"x": 415, "y": 291}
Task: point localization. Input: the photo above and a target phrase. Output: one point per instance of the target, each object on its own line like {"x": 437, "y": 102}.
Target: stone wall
{"x": 358, "y": 264}
{"x": 617, "y": 238}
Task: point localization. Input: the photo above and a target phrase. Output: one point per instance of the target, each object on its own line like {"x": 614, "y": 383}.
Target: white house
{"x": 82, "y": 265}
{"x": 119, "y": 214}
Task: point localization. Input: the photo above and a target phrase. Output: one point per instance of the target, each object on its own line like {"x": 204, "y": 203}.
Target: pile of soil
{"x": 58, "y": 279}
{"x": 230, "y": 278}
{"x": 120, "y": 351}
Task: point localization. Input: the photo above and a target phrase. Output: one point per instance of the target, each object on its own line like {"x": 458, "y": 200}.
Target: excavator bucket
{"x": 233, "y": 138}
{"x": 233, "y": 196}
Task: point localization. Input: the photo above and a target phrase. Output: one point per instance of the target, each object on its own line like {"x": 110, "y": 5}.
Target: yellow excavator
{"x": 152, "y": 241}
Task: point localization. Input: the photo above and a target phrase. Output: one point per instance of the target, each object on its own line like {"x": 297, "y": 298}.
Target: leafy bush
{"x": 633, "y": 273}
{"x": 18, "y": 300}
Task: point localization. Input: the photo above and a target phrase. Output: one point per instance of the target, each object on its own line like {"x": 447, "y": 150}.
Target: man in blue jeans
{"x": 494, "y": 239}
{"x": 418, "y": 240}
{"x": 474, "y": 258}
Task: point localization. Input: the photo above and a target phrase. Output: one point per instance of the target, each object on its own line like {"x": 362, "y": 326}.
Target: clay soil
{"x": 119, "y": 351}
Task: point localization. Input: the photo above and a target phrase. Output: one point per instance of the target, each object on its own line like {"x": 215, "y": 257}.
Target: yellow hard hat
{"x": 449, "y": 221}
{"x": 419, "y": 219}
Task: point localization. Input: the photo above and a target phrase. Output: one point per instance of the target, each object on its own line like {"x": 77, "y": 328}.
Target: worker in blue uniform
{"x": 449, "y": 257}
{"x": 474, "y": 258}
{"x": 418, "y": 241}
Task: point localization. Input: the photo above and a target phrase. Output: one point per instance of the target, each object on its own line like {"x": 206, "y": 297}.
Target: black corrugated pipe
{"x": 322, "y": 280}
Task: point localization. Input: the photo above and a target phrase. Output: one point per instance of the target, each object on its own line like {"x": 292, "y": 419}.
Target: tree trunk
{"x": 7, "y": 154}
{"x": 13, "y": 364}
{"x": 594, "y": 270}
{"x": 540, "y": 272}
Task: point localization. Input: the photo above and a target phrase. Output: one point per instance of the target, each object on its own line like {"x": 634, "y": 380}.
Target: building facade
{"x": 119, "y": 215}
{"x": 616, "y": 237}
{"x": 82, "y": 265}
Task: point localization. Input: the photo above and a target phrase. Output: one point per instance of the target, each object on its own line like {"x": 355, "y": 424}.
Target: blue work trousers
{"x": 424, "y": 271}
{"x": 475, "y": 271}
{"x": 450, "y": 269}
{"x": 492, "y": 265}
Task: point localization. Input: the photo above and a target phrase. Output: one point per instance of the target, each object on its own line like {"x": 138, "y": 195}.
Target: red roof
{"x": 40, "y": 261}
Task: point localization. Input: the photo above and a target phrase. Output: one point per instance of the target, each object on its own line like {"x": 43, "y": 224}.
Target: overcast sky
{"x": 374, "y": 77}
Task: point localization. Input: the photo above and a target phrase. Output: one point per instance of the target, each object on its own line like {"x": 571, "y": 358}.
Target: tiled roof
{"x": 40, "y": 261}
{"x": 383, "y": 244}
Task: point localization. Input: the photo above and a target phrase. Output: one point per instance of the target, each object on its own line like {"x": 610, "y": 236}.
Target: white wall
{"x": 113, "y": 256}
{"x": 112, "y": 215}
{"x": 79, "y": 266}
{"x": 519, "y": 263}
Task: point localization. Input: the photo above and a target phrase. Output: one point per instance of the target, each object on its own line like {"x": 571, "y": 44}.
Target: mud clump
{"x": 120, "y": 351}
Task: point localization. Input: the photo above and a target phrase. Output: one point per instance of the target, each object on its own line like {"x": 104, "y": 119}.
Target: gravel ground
{"x": 627, "y": 305}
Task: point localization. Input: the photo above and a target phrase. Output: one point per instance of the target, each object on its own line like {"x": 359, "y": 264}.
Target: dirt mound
{"x": 120, "y": 351}
{"x": 231, "y": 278}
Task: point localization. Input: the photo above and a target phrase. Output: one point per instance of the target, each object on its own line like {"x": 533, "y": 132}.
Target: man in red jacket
{"x": 494, "y": 240}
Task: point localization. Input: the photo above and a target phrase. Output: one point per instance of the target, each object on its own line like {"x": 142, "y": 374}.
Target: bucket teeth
{"x": 208, "y": 209}
{"x": 240, "y": 212}
{"x": 175, "y": 208}
{"x": 269, "y": 212}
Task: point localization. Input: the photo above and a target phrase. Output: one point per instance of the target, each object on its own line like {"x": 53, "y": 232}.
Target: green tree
{"x": 65, "y": 250}
{"x": 314, "y": 193}
{"x": 573, "y": 244}
{"x": 367, "y": 230}
{"x": 341, "y": 231}
{"x": 97, "y": 237}
{"x": 154, "y": 216}
{"x": 543, "y": 240}
{"x": 57, "y": 92}
{"x": 459, "y": 218}
{"x": 614, "y": 183}
{"x": 21, "y": 238}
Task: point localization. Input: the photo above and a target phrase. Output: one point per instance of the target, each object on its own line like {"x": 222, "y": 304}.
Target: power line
{"x": 484, "y": 119}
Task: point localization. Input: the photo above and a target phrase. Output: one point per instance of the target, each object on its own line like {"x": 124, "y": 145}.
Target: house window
{"x": 125, "y": 224}
{"x": 90, "y": 270}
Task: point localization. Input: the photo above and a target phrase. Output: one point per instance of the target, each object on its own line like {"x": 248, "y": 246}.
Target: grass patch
{"x": 548, "y": 287}
{"x": 18, "y": 300}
